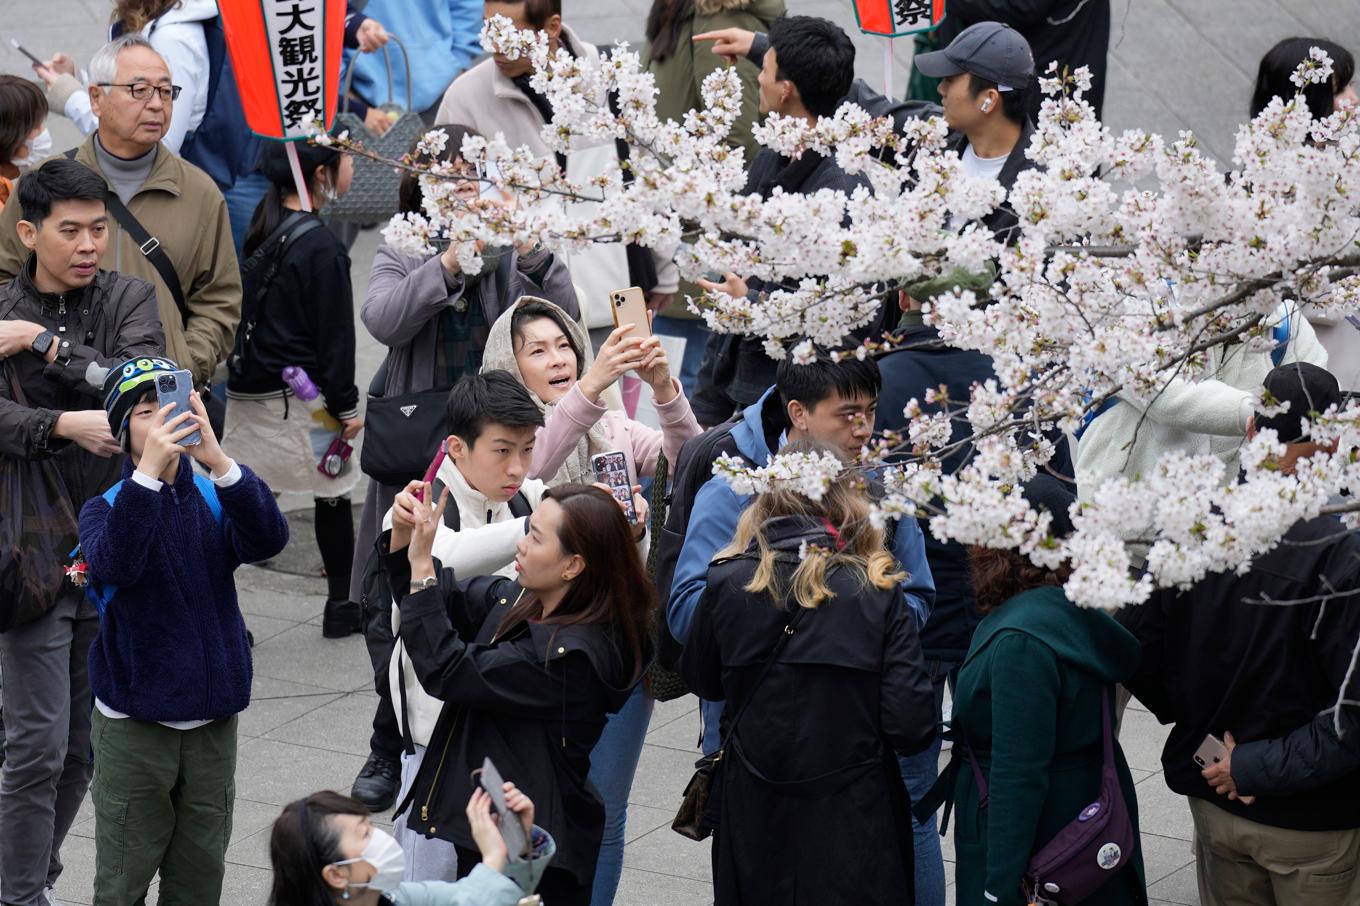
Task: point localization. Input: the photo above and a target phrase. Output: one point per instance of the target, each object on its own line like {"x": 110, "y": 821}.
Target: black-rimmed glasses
{"x": 141, "y": 91}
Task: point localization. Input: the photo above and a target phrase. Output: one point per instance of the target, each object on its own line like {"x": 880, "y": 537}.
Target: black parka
{"x": 812, "y": 805}
{"x": 533, "y": 698}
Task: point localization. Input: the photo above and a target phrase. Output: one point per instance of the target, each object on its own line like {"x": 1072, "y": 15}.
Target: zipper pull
{"x": 424, "y": 813}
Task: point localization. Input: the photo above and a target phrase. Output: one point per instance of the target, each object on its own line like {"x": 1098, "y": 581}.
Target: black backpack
{"x": 693, "y": 469}
{"x": 257, "y": 276}
{"x": 376, "y": 588}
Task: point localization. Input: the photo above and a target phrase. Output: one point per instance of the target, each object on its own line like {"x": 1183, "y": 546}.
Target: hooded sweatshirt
{"x": 575, "y": 429}
{"x": 178, "y": 37}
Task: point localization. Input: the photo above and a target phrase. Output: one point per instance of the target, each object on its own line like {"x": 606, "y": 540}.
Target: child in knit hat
{"x": 171, "y": 666}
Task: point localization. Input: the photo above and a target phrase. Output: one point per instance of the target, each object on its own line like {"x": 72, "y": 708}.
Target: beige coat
{"x": 485, "y": 100}
{"x": 182, "y": 207}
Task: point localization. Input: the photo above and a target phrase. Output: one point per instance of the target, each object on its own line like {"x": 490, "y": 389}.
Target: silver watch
{"x": 422, "y": 584}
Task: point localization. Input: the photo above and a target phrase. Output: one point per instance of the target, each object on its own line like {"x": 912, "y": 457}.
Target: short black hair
{"x": 537, "y": 12}
{"x": 811, "y": 383}
{"x": 57, "y": 180}
{"x": 1014, "y": 103}
{"x": 818, "y": 57}
{"x": 1279, "y": 63}
{"x": 493, "y": 397}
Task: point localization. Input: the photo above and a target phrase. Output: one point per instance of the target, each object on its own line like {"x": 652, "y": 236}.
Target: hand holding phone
{"x": 611, "y": 470}
{"x": 1211, "y": 753}
{"x": 512, "y": 827}
{"x": 174, "y": 388}
{"x": 629, "y": 306}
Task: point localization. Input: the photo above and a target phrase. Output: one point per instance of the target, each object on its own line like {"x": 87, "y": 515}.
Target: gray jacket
{"x": 113, "y": 320}
{"x": 406, "y": 296}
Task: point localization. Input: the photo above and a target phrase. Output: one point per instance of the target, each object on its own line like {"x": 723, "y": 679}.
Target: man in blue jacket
{"x": 826, "y": 401}
{"x": 170, "y": 668}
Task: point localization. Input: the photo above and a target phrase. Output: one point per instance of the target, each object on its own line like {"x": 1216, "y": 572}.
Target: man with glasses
{"x": 173, "y": 229}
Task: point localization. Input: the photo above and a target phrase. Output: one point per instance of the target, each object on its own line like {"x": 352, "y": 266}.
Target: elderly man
{"x": 168, "y": 222}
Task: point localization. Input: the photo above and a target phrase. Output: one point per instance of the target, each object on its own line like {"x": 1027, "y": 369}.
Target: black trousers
{"x": 386, "y": 739}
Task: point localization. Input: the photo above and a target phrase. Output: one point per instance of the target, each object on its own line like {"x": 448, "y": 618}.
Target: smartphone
{"x": 175, "y": 387}
{"x": 512, "y": 829}
{"x": 630, "y": 307}
{"x": 611, "y": 470}
{"x": 432, "y": 471}
{"x": 1212, "y": 751}
{"x": 487, "y": 174}
{"x": 19, "y": 47}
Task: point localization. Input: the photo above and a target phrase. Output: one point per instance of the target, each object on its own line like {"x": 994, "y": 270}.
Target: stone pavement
{"x": 1175, "y": 64}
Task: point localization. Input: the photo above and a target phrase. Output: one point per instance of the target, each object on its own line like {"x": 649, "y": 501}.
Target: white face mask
{"x": 384, "y": 853}
{"x": 38, "y": 149}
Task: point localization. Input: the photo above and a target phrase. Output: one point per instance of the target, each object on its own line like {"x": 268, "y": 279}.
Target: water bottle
{"x": 309, "y": 396}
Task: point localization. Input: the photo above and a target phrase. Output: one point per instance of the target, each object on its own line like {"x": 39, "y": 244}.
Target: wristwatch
{"x": 418, "y": 585}
{"x": 43, "y": 342}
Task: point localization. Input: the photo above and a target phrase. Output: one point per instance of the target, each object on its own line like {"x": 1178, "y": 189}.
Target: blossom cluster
{"x": 1136, "y": 266}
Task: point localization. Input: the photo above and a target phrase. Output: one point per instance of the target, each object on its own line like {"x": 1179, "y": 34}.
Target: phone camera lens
{"x": 167, "y": 384}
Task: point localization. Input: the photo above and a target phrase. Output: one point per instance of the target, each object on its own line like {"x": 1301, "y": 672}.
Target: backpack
{"x": 267, "y": 259}
{"x": 693, "y": 469}
{"x": 223, "y": 146}
{"x": 376, "y": 588}
{"x": 101, "y": 594}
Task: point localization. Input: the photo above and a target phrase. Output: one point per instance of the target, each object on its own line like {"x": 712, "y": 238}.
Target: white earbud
{"x": 986, "y": 105}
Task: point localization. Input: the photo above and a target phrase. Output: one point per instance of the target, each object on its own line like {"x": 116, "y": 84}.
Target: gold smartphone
{"x": 629, "y": 306}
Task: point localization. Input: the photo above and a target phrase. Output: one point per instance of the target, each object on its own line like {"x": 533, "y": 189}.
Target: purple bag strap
{"x": 1106, "y": 731}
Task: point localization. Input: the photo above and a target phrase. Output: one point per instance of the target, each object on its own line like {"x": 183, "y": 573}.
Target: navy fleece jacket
{"x": 172, "y": 643}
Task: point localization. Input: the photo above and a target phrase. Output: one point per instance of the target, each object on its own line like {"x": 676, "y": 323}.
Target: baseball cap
{"x": 989, "y": 50}
{"x": 1308, "y": 389}
{"x": 126, "y": 385}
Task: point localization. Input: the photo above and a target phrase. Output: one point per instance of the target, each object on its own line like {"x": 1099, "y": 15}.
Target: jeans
{"x": 47, "y": 746}
{"x": 918, "y": 773}
{"x": 242, "y": 200}
{"x": 613, "y": 762}
{"x": 695, "y": 334}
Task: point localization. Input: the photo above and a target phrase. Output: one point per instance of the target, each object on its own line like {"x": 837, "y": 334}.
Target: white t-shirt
{"x": 982, "y": 166}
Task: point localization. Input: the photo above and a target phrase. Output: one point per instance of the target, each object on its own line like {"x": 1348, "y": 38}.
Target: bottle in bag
{"x": 303, "y": 388}
{"x": 328, "y": 447}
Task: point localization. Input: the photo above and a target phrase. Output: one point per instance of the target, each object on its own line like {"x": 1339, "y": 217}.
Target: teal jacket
{"x": 483, "y": 886}
{"x": 1028, "y": 703}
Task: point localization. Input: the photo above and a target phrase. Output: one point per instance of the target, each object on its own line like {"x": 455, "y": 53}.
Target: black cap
{"x": 1308, "y": 389}
{"x": 1044, "y": 492}
{"x": 988, "y": 50}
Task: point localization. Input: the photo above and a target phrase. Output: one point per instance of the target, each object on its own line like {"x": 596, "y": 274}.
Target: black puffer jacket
{"x": 112, "y": 320}
{"x": 534, "y": 699}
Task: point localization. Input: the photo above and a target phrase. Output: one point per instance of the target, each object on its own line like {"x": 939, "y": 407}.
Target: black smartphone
{"x": 512, "y": 829}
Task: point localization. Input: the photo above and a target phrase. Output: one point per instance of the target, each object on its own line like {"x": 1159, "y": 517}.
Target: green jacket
{"x": 680, "y": 75}
{"x": 1028, "y": 703}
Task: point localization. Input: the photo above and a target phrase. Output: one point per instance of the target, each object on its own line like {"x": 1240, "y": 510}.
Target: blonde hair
{"x": 845, "y": 506}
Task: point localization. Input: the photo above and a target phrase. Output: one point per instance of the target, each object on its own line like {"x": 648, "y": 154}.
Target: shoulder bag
{"x": 693, "y": 819}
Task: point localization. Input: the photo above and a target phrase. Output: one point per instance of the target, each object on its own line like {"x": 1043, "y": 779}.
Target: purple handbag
{"x": 1085, "y": 853}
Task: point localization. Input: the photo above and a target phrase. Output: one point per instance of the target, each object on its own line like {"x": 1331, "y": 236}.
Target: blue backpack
{"x": 223, "y": 145}
{"x": 101, "y": 594}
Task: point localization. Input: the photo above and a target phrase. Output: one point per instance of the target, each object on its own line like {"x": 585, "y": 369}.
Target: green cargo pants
{"x": 162, "y": 801}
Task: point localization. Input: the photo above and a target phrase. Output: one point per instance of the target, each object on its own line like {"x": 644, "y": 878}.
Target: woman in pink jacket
{"x": 548, "y": 352}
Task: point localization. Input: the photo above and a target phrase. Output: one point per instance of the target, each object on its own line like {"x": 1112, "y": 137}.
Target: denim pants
{"x": 47, "y": 746}
{"x": 918, "y": 773}
{"x": 613, "y": 762}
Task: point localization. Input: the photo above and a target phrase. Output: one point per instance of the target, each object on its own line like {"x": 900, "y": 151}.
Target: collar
{"x": 184, "y": 476}
{"x": 1016, "y": 161}
{"x": 50, "y": 300}
{"x": 473, "y": 506}
{"x": 166, "y": 175}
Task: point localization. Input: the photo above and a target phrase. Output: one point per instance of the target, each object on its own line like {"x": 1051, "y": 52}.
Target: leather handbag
{"x": 696, "y": 818}
{"x": 372, "y": 196}
{"x": 1083, "y": 855}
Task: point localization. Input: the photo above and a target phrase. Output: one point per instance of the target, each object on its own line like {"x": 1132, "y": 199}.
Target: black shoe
{"x": 377, "y": 783}
{"x": 341, "y": 618}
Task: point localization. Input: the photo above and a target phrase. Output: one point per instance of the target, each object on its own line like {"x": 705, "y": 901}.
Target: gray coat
{"x": 405, "y": 298}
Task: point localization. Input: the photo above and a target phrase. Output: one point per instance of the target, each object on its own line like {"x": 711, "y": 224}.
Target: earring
{"x": 566, "y": 578}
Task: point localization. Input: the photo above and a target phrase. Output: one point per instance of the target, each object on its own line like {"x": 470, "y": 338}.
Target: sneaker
{"x": 378, "y": 782}
{"x": 50, "y": 895}
{"x": 341, "y": 618}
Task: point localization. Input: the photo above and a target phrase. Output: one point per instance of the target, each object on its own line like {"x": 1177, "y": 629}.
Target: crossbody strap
{"x": 149, "y": 246}
{"x": 764, "y": 671}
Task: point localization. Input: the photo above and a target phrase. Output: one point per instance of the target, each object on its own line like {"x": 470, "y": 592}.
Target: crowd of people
{"x": 178, "y": 341}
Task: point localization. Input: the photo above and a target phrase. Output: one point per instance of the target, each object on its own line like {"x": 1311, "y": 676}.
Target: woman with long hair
{"x": 1028, "y": 709}
{"x": 528, "y": 669}
{"x": 324, "y": 851}
{"x": 298, "y": 311}
{"x": 812, "y": 727}
{"x": 175, "y": 30}
{"x": 549, "y": 352}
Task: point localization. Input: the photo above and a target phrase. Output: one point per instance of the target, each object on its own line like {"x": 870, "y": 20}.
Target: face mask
{"x": 384, "y": 853}
{"x": 38, "y": 149}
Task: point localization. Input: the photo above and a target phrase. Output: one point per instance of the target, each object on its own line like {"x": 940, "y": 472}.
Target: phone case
{"x": 612, "y": 469}
{"x": 174, "y": 387}
{"x": 629, "y": 306}
{"x": 516, "y": 843}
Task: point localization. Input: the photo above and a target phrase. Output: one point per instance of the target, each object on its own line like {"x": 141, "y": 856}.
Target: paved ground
{"x": 1176, "y": 64}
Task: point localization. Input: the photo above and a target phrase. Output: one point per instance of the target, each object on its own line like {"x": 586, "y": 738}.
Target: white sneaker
{"x": 50, "y": 895}
{"x": 946, "y": 716}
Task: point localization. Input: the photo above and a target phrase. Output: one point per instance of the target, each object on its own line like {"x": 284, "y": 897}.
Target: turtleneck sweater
{"x": 125, "y": 175}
